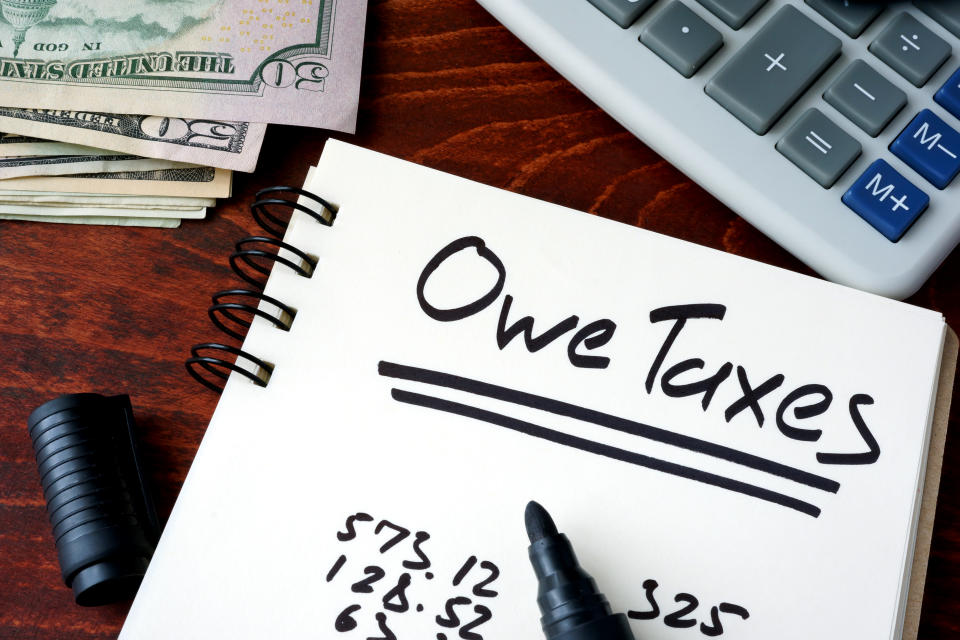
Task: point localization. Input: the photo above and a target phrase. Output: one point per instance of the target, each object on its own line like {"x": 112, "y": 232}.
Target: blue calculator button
{"x": 887, "y": 200}
{"x": 931, "y": 148}
{"x": 948, "y": 96}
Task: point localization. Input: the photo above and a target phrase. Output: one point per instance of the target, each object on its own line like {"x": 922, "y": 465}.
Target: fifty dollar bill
{"x": 200, "y": 182}
{"x": 242, "y": 60}
{"x": 98, "y": 162}
{"x": 167, "y": 223}
{"x": 212, "y": 143}
{"x": 12, "y": 144}
{"x": 106, "y": 200}
{"x": 83, "y": 212}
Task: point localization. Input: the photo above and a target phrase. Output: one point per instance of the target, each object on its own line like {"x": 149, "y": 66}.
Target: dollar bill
{"x": 212, "y": 143}
{"x": 238, "y": 60}
{"x": 166, "y": 223}
{"x": 20, "y": 166}
{"x": 13, "y": 144}
{"x": 201, "y": 182}
{"x": 83, "y": 212}
{"x": 103, "y": 200}
{"x": 106, "y": 209}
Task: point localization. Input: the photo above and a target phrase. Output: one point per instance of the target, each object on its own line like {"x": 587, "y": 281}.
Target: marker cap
{"x": 104, "y": 522}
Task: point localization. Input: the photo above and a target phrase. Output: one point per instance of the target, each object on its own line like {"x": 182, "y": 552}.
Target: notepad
{"x": 734, "y": 449}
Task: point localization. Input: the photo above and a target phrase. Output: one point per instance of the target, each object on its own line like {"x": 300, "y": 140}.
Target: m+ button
{"x": 887, "y": 200}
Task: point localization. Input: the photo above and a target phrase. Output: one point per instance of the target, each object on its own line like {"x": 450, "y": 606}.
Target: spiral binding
{"x": 233, "y": 310}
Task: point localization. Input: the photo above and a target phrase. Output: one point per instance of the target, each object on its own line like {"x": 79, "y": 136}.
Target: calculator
{"x": 832, "y": 126}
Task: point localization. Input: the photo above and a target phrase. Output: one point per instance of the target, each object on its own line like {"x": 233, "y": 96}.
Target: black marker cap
{"x": 104, "y": 523}
{"x": 571, "y": 605}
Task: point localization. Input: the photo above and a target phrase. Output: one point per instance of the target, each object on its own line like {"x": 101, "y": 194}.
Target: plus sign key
{"x": 887, "y": 200}
{"x": 931, "y": 147}
{"x": 769, "y": 73}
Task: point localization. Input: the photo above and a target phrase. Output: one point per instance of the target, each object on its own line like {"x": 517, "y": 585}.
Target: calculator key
{"x": 681, "y": 37}
{"x": 931, "y": 148}
{"x": 946, "y": 12}
{"x": 820, "y": 148}
{"x": 623, "y": 12}
{"x": 948, "y": 96}
{"x": 865, "y": 97}
{"x": 911, "y": 49}
{"x": 887, "y": 200}
{"x": 734, "y": 12}
{"x": 767, "y": 75}
{"x": 850, "y": 17}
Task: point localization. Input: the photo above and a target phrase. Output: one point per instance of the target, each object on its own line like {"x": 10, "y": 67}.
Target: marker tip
{"x": 538, "y": 522}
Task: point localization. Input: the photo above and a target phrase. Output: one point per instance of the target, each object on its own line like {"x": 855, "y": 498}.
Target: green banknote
{"x": 12, "y": 145}
{"x": 198, "y": 182}
{"x": 223, "y": 60}
{"x": 166, "y": 223}
{"x": 96, "y": 162}
{"x": 87, "y": 212}
{"x": 213, "y": 143}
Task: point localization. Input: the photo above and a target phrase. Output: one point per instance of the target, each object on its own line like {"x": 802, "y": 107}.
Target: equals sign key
{"x": 821, "y": 149}
{"x": 819, "y": 143}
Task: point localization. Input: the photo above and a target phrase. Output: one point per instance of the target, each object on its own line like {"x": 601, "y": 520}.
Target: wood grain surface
{"x": 115, "y": 310}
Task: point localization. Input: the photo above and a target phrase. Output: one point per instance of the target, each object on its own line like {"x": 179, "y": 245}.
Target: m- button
{"x": 931, "y": 147}
{"x": 887, "y": 200}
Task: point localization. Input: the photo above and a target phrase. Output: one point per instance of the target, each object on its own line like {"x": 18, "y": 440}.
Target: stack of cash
{"x": 138, "y": 112}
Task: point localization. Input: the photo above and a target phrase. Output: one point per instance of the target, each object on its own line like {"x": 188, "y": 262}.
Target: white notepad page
{"x": 376, "y": 488}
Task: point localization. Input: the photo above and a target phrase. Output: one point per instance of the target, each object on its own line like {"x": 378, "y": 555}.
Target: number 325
{"x": 678, "y": 619}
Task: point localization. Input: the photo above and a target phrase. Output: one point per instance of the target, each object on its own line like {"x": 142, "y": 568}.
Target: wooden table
{"x": 115, "y": 310}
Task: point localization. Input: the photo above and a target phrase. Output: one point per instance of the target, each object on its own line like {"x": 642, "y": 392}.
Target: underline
{"x": 623, "y": 425}
{"x": 608, "y": 451}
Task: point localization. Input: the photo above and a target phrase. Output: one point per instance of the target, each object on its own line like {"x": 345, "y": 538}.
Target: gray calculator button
{"x": 734, "y": 12}
{"x": 865, "y": 97}
{"x": 773, "y": 69}
{"x": 911, "y": 49}
{"x": 681, "y": 37}
{"x": 850, "y": 17}
{"x": 623, "y": 12}
{"x": 946, "y": 12}
{"x": 820, "y": 148}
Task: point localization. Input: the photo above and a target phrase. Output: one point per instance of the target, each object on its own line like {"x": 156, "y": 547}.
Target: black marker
{"x": 570, "y": 603}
